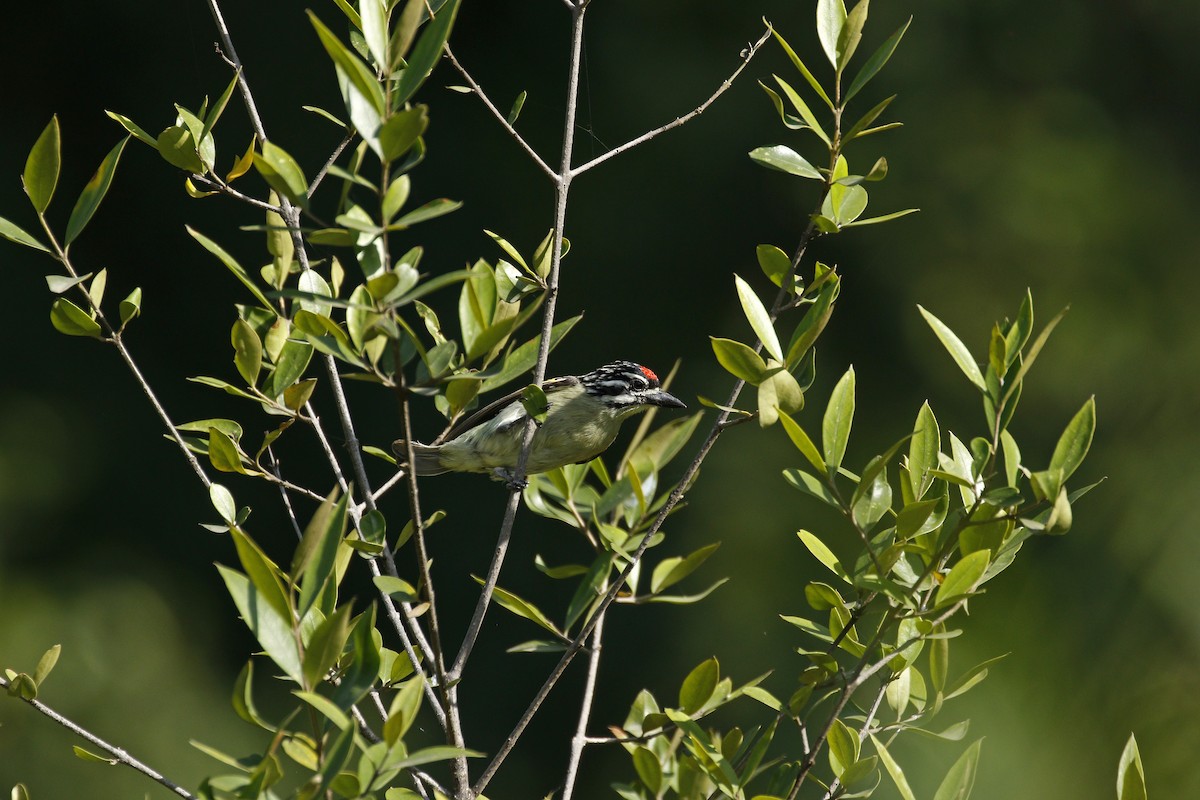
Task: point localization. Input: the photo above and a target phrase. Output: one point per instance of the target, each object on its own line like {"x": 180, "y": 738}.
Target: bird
{"x": 584, "y": 415}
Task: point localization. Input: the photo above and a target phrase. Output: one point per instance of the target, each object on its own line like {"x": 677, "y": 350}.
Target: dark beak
{"x": 658, "y": 397}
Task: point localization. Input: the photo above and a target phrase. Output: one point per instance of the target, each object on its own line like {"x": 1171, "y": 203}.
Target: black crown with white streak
{"x": 624, "y": 384}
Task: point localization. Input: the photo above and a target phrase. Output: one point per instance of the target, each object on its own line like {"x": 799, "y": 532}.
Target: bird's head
{"x": 626, "y": 386}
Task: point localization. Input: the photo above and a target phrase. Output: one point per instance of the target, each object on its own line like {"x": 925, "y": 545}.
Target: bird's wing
{"x": 493, "y": 408}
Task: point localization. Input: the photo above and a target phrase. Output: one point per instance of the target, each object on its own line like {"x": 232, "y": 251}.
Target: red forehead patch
{"x": 649, "y": 373}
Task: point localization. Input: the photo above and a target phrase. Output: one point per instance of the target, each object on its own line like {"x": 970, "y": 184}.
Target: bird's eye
{"x": 640, "y": 383}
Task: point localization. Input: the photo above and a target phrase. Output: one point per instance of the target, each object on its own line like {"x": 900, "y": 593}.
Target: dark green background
{"x": 1049, "y": 147}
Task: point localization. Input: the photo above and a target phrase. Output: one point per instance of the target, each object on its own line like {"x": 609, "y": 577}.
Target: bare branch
{"x": 747, "y": 54}
{"x": 478, "y": 90}
{"x": 214, "y": 184}
{"x": 333, "y": 157}
{"x": 118, "y": 754}
{"x": 585, "y": 711}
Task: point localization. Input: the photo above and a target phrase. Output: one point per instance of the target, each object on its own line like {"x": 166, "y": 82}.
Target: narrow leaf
{"x": 958, "y": 351}
{"x": 42, "y": 166}
{"x": 14, "y": 233}
{"x": 1075, "y": 440}
{"x": 92, "y": 194}
{"x": 839, "y": 416}
{"x": 760, "y": 320}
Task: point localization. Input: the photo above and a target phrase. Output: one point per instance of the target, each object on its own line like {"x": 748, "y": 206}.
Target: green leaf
{"x": 803, "y": 443}
{"x": 42, "y": 166}
{"x": 46, "y": 664}
{"x": 760, "y": 320}
{"x": 958, "y": 351}
{"x": 1027, "y": 359}
{"x": 366, "y": 659}
{"x": 273, "y": 630}
{"x": 923, "y": 451}
{"x": 961, "y": 778}
{"x": 739, "y": 360}
{"x": 68, "y": 318}
{"x": 315, "y": 558}
{"x": 14, "y": 233}
{"x": 648, "y": 769}
{"x": 523, "y": 358}
{"x": 522, "y": 608}
{"x": 426, "y": 53}
{"x": 963, "y": 578}
{"x": 222, "y": 501}
{"x": 810, "y": 484}
{"x": 671, "y": 571}
{"x": 517, "y": 105}
{"x": 396, "y": 587}
{"x": 803, "y": 110}
{"x": 839, "y": 416}
{"x": 92, "y": 194}
{"x": 1073, "y": 445}
{"x": 831, "y": 18}
{"x": 404, "y": 709}
{"x": 401, "y": 131}
{"x": 131, "y": 306}
{"x": 804, "y": 70}
{"x": 813, "y": 323}
{"x": 178, "y": 148}
{"x": 282, "y": 173}
{"x": 293, "y": 360}
{"x": 374, "y": 28}
{"x": 823, "y": 554}
{"x": 129, "y": 125}
{"x": 223, "y": 453}
{"x": 431, "y": 210}
{"x": 775, "y": 263}
{"x": 851, "y": 33}
{"x": 876, "y": 61}
{"x": 1131, "y": 778}
{"x": 894, "y": 770}
{"x": 325, "y": 645}
{"x": 881, "y": 217}
{"x": 58, "y": 284}
{"x": 843, "y": 747}
{"x": 247, "y": 351}
{"x": 87, "y": 755}
{"x": 361, "y": 78}
{"x": 785, "y": 159}
{"x": 231, "y": 264}
{"x": 699, "y": 686}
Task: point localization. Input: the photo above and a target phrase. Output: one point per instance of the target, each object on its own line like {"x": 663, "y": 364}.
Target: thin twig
{"x": 503, "y": 120}
{"x": 449, "y": 692}
{"x": 283, "y": 495}
{"x": 215, "y": 185}
{"x": 333, "y": 157}
{"x": 585, "y": 711}
{"x": 118, "y": 754}
{"x": 748, "y": 54}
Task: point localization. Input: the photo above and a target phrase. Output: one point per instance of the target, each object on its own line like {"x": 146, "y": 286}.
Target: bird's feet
{"x": 510, "y": 479}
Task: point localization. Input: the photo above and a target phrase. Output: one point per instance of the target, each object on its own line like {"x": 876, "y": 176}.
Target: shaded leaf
{"x": 93, "y": 193}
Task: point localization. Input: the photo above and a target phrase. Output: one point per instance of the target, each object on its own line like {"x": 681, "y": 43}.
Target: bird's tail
{"x": 427, "y": 459}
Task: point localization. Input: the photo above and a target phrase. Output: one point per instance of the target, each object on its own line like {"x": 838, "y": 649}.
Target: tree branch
{"x": 119, "y": 755}
{"x": 585, "y": 711}
{"x": 747, "y": 54}
{"x": 503, "y": 120}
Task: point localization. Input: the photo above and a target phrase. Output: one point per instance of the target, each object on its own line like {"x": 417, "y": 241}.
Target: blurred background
{"x": 1052, "y": 150}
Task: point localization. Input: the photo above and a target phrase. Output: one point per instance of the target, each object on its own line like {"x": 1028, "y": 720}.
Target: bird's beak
{"x": 658, "y": 397}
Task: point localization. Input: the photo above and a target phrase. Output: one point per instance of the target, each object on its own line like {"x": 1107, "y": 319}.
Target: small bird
{"x": 582, "y": 420}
